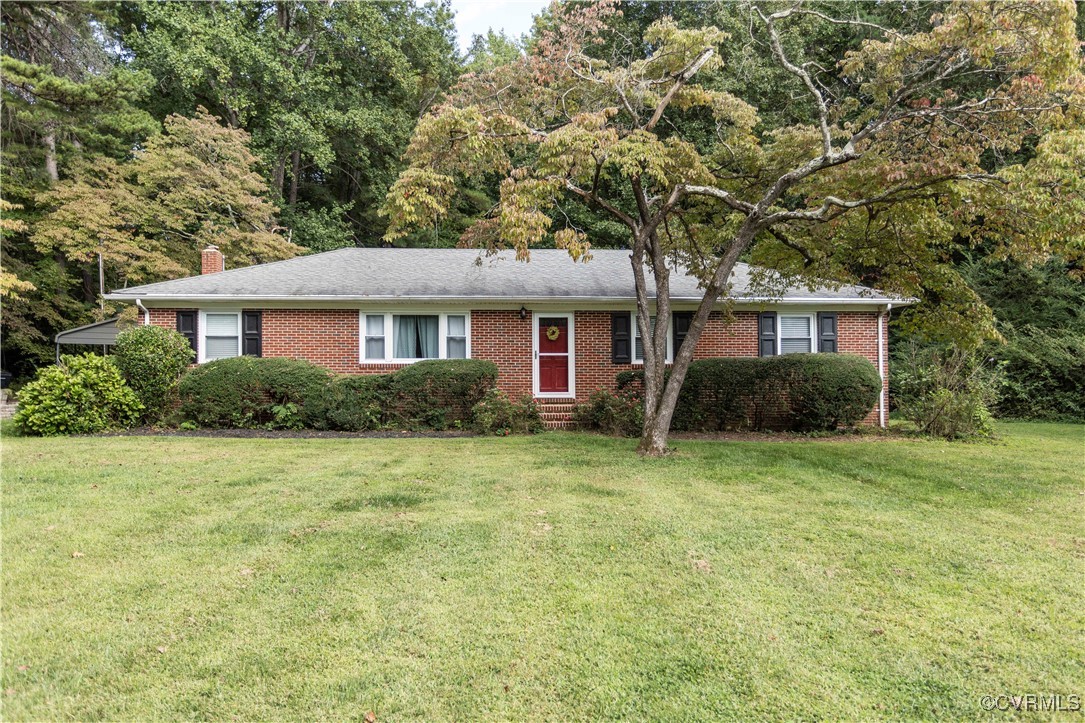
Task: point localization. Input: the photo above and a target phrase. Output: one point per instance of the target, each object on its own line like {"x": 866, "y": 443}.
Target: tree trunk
{"x": 50, "y": 143}
{"x": 278, "y": 176}
{"x": 295, "y": 171}
{"x": 660, "y": 399}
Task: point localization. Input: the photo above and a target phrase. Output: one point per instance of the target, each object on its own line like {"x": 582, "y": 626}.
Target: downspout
{"x": 881, "y": 366}
{"x": 147, "y": 317}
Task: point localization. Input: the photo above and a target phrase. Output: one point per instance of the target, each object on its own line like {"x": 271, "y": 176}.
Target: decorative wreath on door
{"x": 552, "y": 333}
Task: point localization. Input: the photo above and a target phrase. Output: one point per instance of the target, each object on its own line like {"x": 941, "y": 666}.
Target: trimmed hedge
{"x": 438, "y": 393}
{"x": 347, "y": 404}
{"x": 249, "y": 392}
{"x": 281, "y": 393}
{"x": 792, "y": 392}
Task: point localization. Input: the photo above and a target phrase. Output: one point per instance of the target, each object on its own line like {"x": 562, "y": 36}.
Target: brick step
{"x": 559, "y": 424}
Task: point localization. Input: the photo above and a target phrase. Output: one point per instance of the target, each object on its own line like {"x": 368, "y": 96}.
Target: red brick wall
{"x": 329, "y": 337}
{"x": 505, "y": 339}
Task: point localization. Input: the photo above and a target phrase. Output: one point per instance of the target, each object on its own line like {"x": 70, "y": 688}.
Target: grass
{"x": 555, "y": 577}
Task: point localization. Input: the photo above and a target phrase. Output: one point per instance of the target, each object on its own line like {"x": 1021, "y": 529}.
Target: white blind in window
{"x": 638, "y": 352}
{"x": 795, "y": 335}
{"x": 221, "y": 325}
{"x": 220, "y": 347}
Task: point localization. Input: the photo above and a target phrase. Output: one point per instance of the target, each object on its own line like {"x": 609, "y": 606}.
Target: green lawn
{"x": 552, "y": 577}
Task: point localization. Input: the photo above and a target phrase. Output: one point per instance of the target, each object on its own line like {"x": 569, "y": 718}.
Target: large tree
{"x": 899, "y": 150}
{"x": 64, "y": 101}
{"x": 195, "y": 184}
{"x": 328, "y": 91}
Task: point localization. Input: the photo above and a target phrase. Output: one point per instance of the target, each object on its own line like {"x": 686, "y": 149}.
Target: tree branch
{"x": 681, "y": 79}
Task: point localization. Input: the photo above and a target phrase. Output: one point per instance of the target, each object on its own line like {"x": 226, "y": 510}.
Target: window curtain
{"x": 416, "y": 337}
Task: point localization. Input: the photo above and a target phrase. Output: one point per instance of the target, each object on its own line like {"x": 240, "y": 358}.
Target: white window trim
{"x": 389, "y": 345}
{"x": 634, "y": 359}
{"x": 571, "y": 394}
{"x": 780, "y": 331}
{"x": 201, "y": 344}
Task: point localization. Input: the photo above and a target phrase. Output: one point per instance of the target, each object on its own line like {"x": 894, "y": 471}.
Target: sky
{"x": 475, "y": 17}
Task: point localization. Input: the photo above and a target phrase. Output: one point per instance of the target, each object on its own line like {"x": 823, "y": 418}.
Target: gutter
{"x": 144, "y": 309}
{"x": 227, "y": 298}
{"x": 882, "y": 314}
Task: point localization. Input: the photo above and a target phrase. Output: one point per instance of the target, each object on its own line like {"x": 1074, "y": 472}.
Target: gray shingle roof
{"x": 382, "y": 274}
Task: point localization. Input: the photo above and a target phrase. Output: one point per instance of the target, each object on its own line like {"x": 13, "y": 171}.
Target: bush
{"x": 435, "y": 394}
{"x": 249, "y": 392}
{"x": 83, "y": 395}
{"x": 349, "y": 403}
{"x": 152, "y": 360}
{"x": 619, "y": 414}
{"x": 945, "y": 392}
{"x": 1044, "y": 374}
{"x": 438, "y": 393}
{"x": 794, "y": 392}
{"x": 497, "y": 414}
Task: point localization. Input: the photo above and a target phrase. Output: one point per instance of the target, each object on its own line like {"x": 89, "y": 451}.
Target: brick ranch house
{"x": 556, "y": 329}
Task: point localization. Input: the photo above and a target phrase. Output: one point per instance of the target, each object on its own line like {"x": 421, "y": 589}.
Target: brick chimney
{"x": 211, "y": 260}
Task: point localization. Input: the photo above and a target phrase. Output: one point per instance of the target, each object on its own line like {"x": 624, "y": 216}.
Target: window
{"x": 221, "y": 335}
{"x": 373, "y": 346}
{"x": 410, "y": 337}
{"x": 796, "y": 333}
{"x": 457, "y": 337}
{"x": 415, "y": 336}
{"x": 638, "y": 343}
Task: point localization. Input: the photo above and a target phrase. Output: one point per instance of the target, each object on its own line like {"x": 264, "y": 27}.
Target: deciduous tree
{"x": 905, "y": 150}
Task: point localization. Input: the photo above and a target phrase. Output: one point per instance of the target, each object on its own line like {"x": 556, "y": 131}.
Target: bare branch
{"x": 681, "y": 79}
{"x": 801, "y": 73}
{"x": 608, "y": 207}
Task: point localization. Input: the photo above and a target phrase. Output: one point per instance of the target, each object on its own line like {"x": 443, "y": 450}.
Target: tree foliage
{"x": 193, "y": 185}
{"x": 900, "y": 148}
{"x": 328, "y": 91}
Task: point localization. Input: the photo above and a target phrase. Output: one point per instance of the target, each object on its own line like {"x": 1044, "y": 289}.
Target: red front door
{"x": 553, "y": 342}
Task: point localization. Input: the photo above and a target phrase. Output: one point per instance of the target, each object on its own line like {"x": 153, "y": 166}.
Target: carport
{"x": 100, "y": 333}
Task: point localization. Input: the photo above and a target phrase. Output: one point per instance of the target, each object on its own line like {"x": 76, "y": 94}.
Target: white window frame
{"x": 201, "y": 346}
{"x": 813, "y": 317}
{"x": 636, "y": 335}
{"x": 389, "y": 342}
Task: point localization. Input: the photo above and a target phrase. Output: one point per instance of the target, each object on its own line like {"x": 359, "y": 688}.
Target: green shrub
{"x": 347, "y": 403}
{"x": 794, "y": 392}
{"x": 152, "y": 360}
{"x": 620, "y": 414}
{"x": 495, "y": 413}
{"x": 438, "y": 393}
{"x": 434, "y": 394}
{"x": 945, "y": 392}
{"x": 244, "y": 392}
{"x": 1044, "y": 373}
{"x": 83, "y": 395}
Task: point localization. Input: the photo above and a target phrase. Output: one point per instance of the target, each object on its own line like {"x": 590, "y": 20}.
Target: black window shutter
{"x": 186, "y": 326}
{"x": 766, "y": 333}
{"x": 827, "y": 331}
{"x": 251, "y": 333}
{"x": 680, "y": 327}
{"x": 621, "y": 351}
